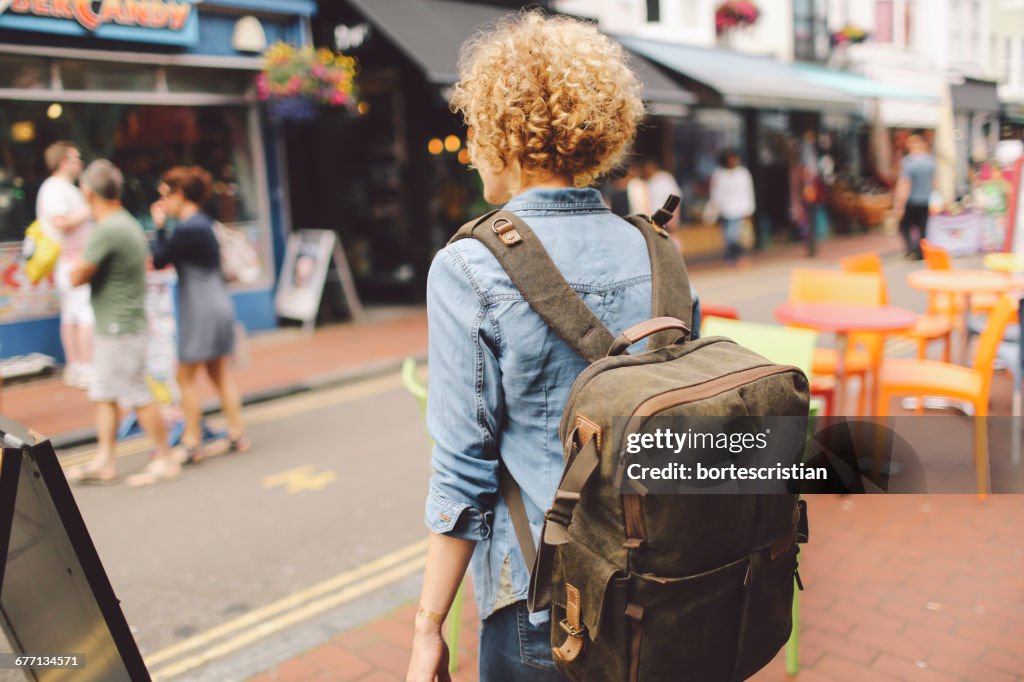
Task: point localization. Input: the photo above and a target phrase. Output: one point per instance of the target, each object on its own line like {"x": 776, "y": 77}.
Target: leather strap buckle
{"x": 504, "y": 228}
{"x": 573, "y": 632}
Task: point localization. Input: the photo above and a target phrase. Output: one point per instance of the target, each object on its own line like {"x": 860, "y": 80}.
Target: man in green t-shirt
{"x": 114, "y": 263}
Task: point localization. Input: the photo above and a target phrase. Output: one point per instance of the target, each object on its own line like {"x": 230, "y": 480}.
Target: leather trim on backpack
{"x": 635, "y": 614}
{"x": 573, "y": 645}
{"x": 586, "y": 430}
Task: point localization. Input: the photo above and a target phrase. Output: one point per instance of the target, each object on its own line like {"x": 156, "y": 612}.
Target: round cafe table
{"x": 963, "y": 284}
{"x": 842, "y": 320}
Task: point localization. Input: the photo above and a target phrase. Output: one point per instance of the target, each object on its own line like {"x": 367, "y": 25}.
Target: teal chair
{"x": 419, "y": 391}
{"x": 786, "y": 346}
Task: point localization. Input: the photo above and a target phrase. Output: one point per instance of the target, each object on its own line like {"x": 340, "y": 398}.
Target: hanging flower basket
{"x": 849, "y": 35}
{"x": 297, "y": 109}
{"x": 296, "y": 83}
{"x": 735, "y": 14}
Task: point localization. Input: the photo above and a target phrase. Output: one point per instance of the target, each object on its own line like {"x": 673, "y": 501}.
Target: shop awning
{"x": 743, "y": 80}
{"x": 431, "y": 32}
{"x": 856, "y": 85}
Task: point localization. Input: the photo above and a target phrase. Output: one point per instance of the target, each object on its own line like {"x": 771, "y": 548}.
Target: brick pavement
{"x": 904, "y": 587}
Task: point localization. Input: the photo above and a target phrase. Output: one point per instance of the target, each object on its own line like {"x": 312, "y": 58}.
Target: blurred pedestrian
{"x": 660, "y": 185}
{"x": 114, "y": 262}
{"x": 498, "y": 374}
{"x": 913, "y": 191}
{"x": 732, "y": 193}
{"x": 807, "y": 190}
{"x": 206, "y": 315}
{"x": 65, "y": 217}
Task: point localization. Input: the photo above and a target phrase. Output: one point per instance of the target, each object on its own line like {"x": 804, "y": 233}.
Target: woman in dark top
{"x": 206, "y": 316}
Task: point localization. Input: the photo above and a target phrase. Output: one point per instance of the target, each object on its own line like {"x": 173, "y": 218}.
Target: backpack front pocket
{"x": 767, "y": 617}
{"x": 694, "y": 621}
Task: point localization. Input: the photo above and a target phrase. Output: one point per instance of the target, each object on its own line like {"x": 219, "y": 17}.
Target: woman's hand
{"x": 429, "y": 661}
{"x": 156, "y": 210}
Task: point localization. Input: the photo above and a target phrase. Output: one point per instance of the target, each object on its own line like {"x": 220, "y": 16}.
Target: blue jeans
{"x": 731, "y": 227}
{"x": 513, "y": 650}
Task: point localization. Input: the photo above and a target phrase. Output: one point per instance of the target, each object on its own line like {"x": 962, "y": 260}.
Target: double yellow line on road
{"x": 236, "y": 634}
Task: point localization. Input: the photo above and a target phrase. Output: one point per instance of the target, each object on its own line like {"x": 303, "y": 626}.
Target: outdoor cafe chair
{"x": 900, "y": 376}
{"x": 938, "y": 258}
{"x": 928, "y": 328}
{"x": 864, "y": 350}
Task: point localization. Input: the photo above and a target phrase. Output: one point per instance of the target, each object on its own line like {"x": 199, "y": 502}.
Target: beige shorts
{"x": 119, "y": 370}
{"x": 75, "y": 305}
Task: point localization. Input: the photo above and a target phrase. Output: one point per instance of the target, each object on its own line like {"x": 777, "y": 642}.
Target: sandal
{"x": 239, "y": 444}
{"x": 157, "y": 471}
{"x": 193, "y": 454}
{"x": 86, "y": 475}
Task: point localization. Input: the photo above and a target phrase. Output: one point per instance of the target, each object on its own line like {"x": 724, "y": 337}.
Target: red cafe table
{"x": 842, "y": 320}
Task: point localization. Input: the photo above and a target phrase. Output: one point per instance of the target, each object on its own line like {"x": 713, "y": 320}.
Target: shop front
{"x": 148, "y": 86}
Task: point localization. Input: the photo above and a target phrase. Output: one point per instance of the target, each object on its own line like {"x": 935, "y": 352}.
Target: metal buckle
{"x": 504, "y": 228}
{"x": 573, "y": 632}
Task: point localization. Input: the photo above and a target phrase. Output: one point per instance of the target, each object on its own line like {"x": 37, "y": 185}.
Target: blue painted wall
{"x": 36, "y": 336}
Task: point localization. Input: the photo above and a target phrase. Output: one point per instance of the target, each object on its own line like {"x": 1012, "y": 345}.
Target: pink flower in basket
{"x": 320, "y": 76}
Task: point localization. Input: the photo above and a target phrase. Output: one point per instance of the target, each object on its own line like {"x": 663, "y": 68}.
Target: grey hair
{"x": 104, "y": 179}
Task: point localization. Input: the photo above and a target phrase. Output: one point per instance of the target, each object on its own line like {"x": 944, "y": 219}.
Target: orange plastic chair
{"x": 864, "y": 351}
{"x": 970, "y": 384}
{"x": 927, "y": 328}
{"x": 938, "y": 258}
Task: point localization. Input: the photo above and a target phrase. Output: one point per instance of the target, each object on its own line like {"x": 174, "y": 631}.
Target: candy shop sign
{"x": 92, "y": 14}
{"x": 166, "y": 21}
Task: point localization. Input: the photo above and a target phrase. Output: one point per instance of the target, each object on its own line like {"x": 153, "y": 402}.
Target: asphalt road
{"x": 336, "y": 479}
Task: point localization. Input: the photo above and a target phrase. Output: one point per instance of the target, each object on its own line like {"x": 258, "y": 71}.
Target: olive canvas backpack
{"x": 647, "y": 587}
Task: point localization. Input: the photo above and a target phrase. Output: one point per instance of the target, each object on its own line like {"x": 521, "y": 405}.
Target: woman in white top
{"x": 732, "y": 193}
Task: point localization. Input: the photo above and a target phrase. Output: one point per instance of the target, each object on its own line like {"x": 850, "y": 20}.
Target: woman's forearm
{"x": 447, "y": 559}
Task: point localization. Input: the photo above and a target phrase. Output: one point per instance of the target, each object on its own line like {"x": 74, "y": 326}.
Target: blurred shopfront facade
{"x": 149, "y": 86}
{"x": 393, "y": 179}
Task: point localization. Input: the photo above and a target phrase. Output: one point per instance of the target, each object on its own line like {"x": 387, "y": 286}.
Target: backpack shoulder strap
{"x": 531, "y": 269}
{"x": 670, "y": 286}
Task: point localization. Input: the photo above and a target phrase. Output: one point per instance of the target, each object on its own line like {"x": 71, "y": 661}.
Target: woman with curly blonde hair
{"x": 551, "y": 106}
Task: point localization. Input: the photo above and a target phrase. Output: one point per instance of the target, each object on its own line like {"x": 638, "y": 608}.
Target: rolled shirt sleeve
{"x": 464, "y": 404}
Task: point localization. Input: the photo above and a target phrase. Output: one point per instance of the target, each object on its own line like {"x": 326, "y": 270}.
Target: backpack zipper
{"x": 690, "y": 394}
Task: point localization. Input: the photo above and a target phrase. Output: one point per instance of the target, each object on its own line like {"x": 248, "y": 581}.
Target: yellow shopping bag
{"x": 42, "y": 252}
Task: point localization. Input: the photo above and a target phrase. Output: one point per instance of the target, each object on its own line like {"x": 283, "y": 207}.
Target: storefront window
{"x": 144, "y": 141}
{"x": 214, "y": 81}
{"x": 24, "y": 73}
{"x": 88, "y": 75}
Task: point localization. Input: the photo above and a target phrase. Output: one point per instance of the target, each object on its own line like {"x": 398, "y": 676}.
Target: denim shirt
{"x": 500, "y": 378}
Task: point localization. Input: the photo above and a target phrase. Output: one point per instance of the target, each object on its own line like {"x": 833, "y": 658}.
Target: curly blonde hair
{"x": 549, "y": 95}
